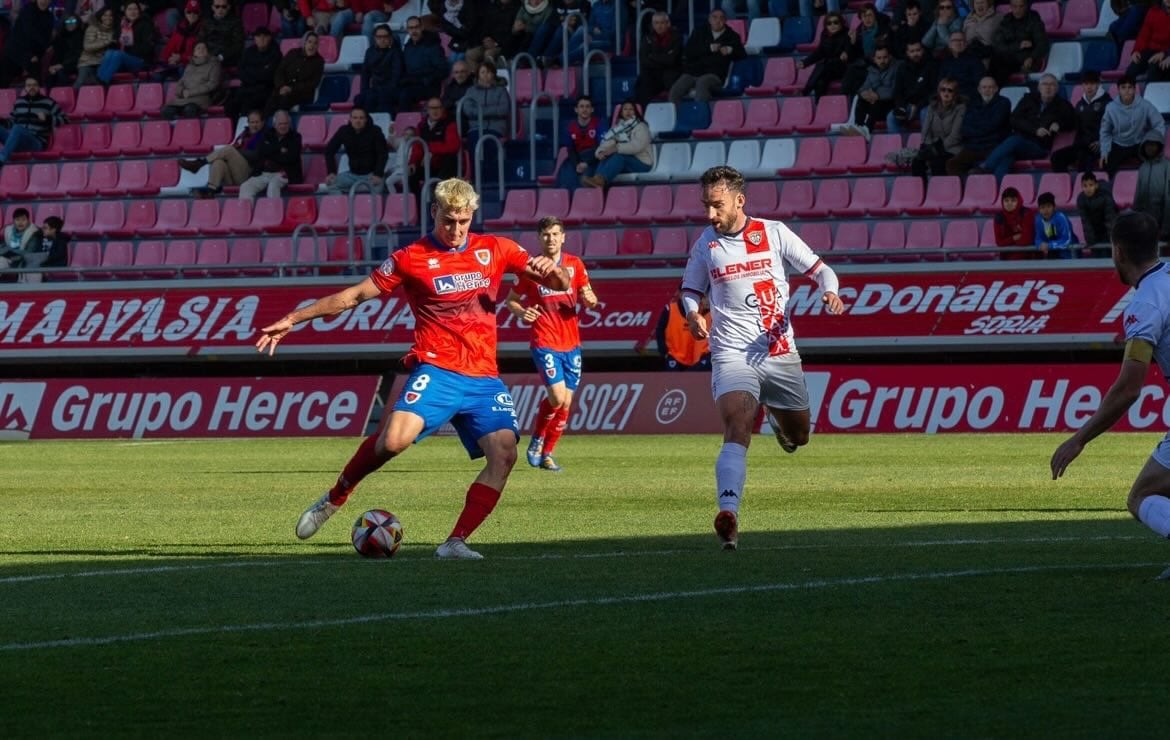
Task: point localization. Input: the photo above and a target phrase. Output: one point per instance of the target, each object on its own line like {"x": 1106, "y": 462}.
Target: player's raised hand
{"x": 531, "y": 314}
{"x": 542, "y": 266}
{"x": 833, "y": 301}
{"x": 272, "y": 334}
{"x": 697, "y": 324}
{"x": 1064, "y": 455}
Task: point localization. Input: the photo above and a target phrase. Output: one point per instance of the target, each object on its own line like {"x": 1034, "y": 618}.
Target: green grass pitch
{"x": 895, "y": 586}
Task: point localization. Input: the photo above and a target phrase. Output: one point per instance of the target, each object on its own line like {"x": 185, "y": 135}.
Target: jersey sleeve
{"x": 697, "y": 276}
{"x": 580, "y": 276}
{"x": 1143, "y": 321}
{"x": 388, "y": 275}
{"x": 793, "y": 250}
{"x": 514, "y": 256}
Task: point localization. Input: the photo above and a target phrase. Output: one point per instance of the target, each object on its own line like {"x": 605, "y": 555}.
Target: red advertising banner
{"x": 975, "y": 306}
{"x": 186, "y": 407}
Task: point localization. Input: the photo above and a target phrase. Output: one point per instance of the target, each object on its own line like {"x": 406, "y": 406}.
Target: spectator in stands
{"x": 979, "y": 27}
{"x": 398, "y": 162}
{"x": 1130, "y": 14}
{"x": 495, "y": 28}
{"x": 355, "y": 11}
{"x": 297, "y": 77}
{"x": 100, "y": 37}
{"x": 914, "y": 87}
{"x": 627, "y": 147}
{"x": 1152, "y": 194}
{"x": 54, "y": 242}
{"x": 279, "y": 161}
{"x": 1054, "y": 234}
{"x": 910, "y": 30}
{"x": 223, "y": 33}
{"x": 365, "y": 145}
{"x": 25, "y": 47}
{"x": 1036, "y": 121}
{"x": 809, "y": 8}
{"x": 600, "y": 32}
{"x": 866, "y": 36}
{"x": 1085, "y": 152}
{"x": 457, "y": 19}
{"x": 379, "y": 14}
{"x": 946, "y": 22}
{"x": 292, "y": 23}
{"x": 831, "y": 57}
{"x": 191, "y": 95}
{"x": 134, "y": 46}
{"x": 1020, "y": 43}
{"x": 230, "y": 165}
{"x": 661, "y": 55}
{"x": 707, "y": 59}
{"x": 942, "y": 136}
{"x": 582, "y": 135}
{"x": 875, "y": 100}
{"x": 23, "y": 246}
{"x": 257, "y": 74}
{"x": 530, "y": 16}
{"x": 1015, "y": 226}
{"x": 962, "y": 65}
{"x": 424, "y": 65}
{"x": 31, "y": 122}
{"x": 1126, "y": 124}
{"x": 441, "y": 135}
{"x": 181, "y": 44}
{"x": 456, "y": 87}
{"x": 1098, "y": 211}
{"x": 488, "y": 103}
{"x": 676, "y": 345}
{"x": 986, "y": 123}
{"x": 318, "y": 14}
{"x": 1151, "y": 51}
{"x": 548, "y": 42}
{"x": 381, "y": 73}
{"x": 66, "y": 51}
{"x": 741, "y": 8}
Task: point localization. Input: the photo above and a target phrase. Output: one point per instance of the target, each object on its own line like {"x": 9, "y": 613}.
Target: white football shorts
{"x": 773, "y": 381}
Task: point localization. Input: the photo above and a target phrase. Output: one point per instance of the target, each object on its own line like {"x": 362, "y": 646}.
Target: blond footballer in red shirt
{"x": 556, "y": 341}
{"x": 450, "y": 278}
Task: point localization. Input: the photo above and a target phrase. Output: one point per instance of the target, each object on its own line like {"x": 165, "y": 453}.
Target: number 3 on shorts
{"x": 550, "y": 361}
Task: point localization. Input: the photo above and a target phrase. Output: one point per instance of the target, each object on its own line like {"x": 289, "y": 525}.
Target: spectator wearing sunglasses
{"x": 223, "y": 33}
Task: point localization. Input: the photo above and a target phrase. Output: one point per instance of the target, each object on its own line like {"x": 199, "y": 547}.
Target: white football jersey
{"x": 1147, "y": 316}
{"x": 746, "y": 282}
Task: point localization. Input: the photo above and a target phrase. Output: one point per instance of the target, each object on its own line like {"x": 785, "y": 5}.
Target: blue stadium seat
{"x": 334, "y": 89}
{"x": 780, "y": 8}
{"x": 1100, "y": 55}
{"x": 796, "y": 30}
{"x": 745, "y": 73}
{"x": 691, "y": 115}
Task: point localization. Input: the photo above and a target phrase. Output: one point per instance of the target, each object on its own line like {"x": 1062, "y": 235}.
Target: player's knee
{"x": 1134, "y": 502}
{"x": 392, "y": 446}
{"x": 799, "y": 438}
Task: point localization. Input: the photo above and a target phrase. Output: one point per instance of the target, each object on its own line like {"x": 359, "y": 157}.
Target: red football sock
{"x": 544, "y": 416}
{"x": 480, "y": 501}
{"x": 555, "y": 430}
{"x": 365, "y": 461}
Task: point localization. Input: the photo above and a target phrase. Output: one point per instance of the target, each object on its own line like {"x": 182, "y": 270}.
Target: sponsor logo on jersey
{"x": 504, "y": 399}
{"x": 387, "y": 267}
{"x": 736, "y": 269}
{"x": 411, "y": 396}
{"x": 1130, "y": 320}
{"x": 713, "y": 244}
{"x": 459, "y": 282}
{"x": 772, "y": 317}
{"x": 483, "y": 256}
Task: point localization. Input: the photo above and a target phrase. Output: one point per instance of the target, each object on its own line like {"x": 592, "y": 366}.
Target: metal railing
{"x": 318, "y": 258}
{"x": 351, "y": 231}
{"x": 459, "y": 130}
{"x": 424, "y": 205}
{"x": 608, "y": 76}
{"x": 479, "y": 168}
{"x": 512, "y": 69}
{"x": 556, "y": 129}
{"x": 565, "y": 41}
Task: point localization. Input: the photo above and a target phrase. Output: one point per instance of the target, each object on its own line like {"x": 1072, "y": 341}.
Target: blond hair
{"x": 455, "y": 194}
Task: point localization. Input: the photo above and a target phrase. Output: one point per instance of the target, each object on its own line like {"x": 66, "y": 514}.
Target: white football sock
{"x": 1155, "y": 514}
{"x": 730, "y": 474}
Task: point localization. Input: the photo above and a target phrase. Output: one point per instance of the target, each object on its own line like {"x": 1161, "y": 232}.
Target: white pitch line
{"x": 153, "y": 570}
{"x": 563, "y": 604}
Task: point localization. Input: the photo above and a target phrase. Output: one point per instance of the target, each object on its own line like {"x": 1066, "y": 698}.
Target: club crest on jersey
{"x": 432, "y": 264}
{"x": 755, "y": 237}
{"x": 387, "y": 267}
{"x": 411, "y": 396}
{"x": 550, "y": 372}
{"x": 483, "y": 257}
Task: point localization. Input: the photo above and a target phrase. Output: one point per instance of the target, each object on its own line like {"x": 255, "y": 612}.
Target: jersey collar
{"x": 1147, "y": 273}
{"x": 440, "y": 246}
{"x": 747, "y": 222}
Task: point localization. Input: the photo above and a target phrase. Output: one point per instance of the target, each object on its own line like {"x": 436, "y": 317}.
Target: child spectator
{"x": 1098, "y": 210}
{"x": 1054, "y": 237}
{"x": 1015, "y": 226}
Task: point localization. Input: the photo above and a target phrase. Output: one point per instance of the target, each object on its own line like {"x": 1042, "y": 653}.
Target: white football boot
{"x": 315, "y": 516}
{"x": 456, "y": 549}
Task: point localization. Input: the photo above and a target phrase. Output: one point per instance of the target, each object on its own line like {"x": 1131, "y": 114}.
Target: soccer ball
{"x": 377, "y": 534}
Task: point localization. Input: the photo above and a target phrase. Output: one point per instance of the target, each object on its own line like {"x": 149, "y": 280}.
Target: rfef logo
{"x": 19, "y": 403}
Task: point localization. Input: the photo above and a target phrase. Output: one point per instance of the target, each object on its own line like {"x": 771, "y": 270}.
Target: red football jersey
{"x": 556, "y": 329}
{"x": 453, "y": 295}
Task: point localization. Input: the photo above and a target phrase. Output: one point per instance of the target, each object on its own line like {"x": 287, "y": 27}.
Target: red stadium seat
{"x": 654, "y": 206}
{"x": 367, "y": 209}
{"x": 905, "y": 194}
{"x": 524, "y": 84}
{"x": 688, "y": 203}
{"x": 831, "y": 110}
{"x": 66, "y": 142}
{"x": 151, "y": 253}
{"x": 762, "y": 115}
{"x": 621, "y": 203}
{"x": 574, "y": 243}
{"x": 65, "y": 96}
{"x": 549, "y": 202}
{"x": 879, "y": 146}
{"x": 987, "y": 234}
{"x": 925, "y": 237}
{"x": 560, "y": 88}
{"x": 73, "y": 178}
{"x": 818, "y": 236}
{"x": 812, "y": 152}
{"x": 117, "y": 254}
{"x": 849, "y": 152}
{"x": 1050, "y": 14}
{"x": 217, "y": 131}
{"x": 213, "y": 253}
{"x": 279, "y": 251}
{"x": 83, "y": 255}
{"x": 333, "y": 213}
{"x": 636, "y": 241}
{"x": 180, "y": 253}
{"x": 726, "y": 116}
{"x": 91, "y": 103}
{"x": 13, "y": 180}
{"x": 134, "y": 178}
{"x": 601, "y": 243}
{"x": 42, "y": 180}
{"x": 172, "y": 218}
{"x": 79, "y": 216}
{"x": 268, "y": 216}
{"x": 397, "y": 213}
{"x": 187, "y": 136}
{"x": 851, "y": 236}
{"x": 126, "y": 139}
{"x": 139, "y": 218}
{"x": 103, "y": 178}
{"x": 1025, "y": 184}
{"x": 586, "y": 208}
{"x": 119, "y": 101}
{"x": 941, "y": 192}
{"x": 156, "y": 136}
{"x": 1124, "y": 188}
{"x": 869, "y": 195}
{"x": 312, "y": 128}
{"x": 204, "y": 216}
{"x": 254, "y": 15}
{"x": 164, "y": 173}
{"x": 795, "y": 113}
{"x": 778, "y": 72}
{"x": 96, "y": 138}
{"x": 762, "y": 198}
{"x": 672, "y": 241}
{"x": 519, "y": 204}
{"x": 980, "y": 195}
{"x": 795, "y": 195}
{"x": 961, "y": 235}
{"x": 245, "y": 252}
{"x": 888, "y": 235}
{"x": 148, "y": 100}
{"x": 1078, "y": 15}
{"x": 832, "y": 196}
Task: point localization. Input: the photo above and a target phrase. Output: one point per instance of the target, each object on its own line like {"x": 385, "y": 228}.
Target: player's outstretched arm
{"x": 519, "y": 310}
{"x": 544, "y": 271}
{"x": 1120, "y": 396}
{"x": 330, "y": 305}
{"x": 588, "y": 297}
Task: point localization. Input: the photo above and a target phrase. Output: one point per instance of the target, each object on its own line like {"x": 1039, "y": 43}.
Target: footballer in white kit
{"x": 742, "y": 265}
{"x": 1146, "y": 324}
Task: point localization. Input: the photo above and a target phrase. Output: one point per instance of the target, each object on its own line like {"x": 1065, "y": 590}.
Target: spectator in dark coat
{"x": 1098, "y": 210}
{"x": 581, "y": 136}
{"x": 66, "y": 51}
{"x": 460, "y": 21}
{"x": 1036, "y": 121}
{"x": 985, "y": 124}
{"x": 1090, "y": 109}
{"x": 365, "y": 146}
{"x": 708, "y": 56}
{"x": 25, "y": 47}
{"x": 912, "y": 29}
{"x": 495, "y": 28}
{"x": 913, "y": 88}
{"x": 424, "y": 65}
{"x": 441, "y": 135}
{"x": 181, "y": 44}
{"x": 662, "y": 59}
{"x": 381, "y": 73}
{"x": 487, "y": 103}
{"x": 831, "y": 57}
{"x": 876, "y": 98}
{"x": 257, "y": 74}
{"x": 963, "y": 66}
{"x": 456, "y": 87}
{"x": 223, "y": 33}
{"x": 1152, "y": 193}
{"x": 55, "y": 242}
{"x": 297, "y": 77}
{"x": 136, "y": 40}
{"x": 1020, "y": 43}
{"x": 278, "y": 162}
{"x": 872, "y": 32}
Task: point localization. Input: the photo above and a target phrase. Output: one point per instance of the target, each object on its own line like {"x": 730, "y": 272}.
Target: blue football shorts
{"x": 474, "y": 406}
{"x": 558, "y": 367}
